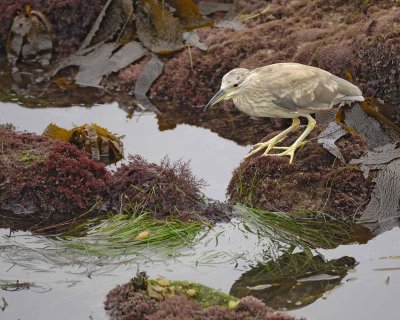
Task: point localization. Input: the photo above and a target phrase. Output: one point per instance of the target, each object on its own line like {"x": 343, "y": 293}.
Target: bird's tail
{"x": 353, "y": 98}
{"x": 347, "y": 100}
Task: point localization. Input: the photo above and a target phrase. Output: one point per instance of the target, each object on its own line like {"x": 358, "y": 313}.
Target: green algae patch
{"x": 144, "y": 299}
{"x": 204, "y": 295}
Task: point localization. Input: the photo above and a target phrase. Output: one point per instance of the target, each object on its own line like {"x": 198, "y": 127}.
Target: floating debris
{"x": 143, "y": 235}
{"x": 5, "y": 304}
{"x": 98, "y": 143}
{"x": 16, "y": 285}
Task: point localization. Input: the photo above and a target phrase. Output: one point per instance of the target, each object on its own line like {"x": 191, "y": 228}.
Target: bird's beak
{"x": 219, "y": 96}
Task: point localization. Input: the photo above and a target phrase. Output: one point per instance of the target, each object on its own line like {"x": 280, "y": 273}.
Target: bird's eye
{"x": 235, "y": 85}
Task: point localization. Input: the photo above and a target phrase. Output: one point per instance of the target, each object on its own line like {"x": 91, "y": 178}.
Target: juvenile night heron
{"x": 285, "y": 90}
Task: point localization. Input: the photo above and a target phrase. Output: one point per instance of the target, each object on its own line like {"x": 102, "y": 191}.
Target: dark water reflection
{"x": 292, "y": 281}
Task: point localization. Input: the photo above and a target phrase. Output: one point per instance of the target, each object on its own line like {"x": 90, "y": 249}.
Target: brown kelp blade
{"x": 98, "y": 143}
{"x": 157, "y": 29}
{"x": 57, "y": 133}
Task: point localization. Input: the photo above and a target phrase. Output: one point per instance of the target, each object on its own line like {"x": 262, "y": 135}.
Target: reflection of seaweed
{"x": 307, "y": 229}
{"x": 293, "y": 279}
{"x": 11, "y": 285}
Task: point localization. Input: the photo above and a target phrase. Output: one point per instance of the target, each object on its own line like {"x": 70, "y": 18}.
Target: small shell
{"x": 233, "y": 304}
{"x": 191, "y": 292}
{"x": 152, "y": 292}
{"x": 163, "y": 282}
{"x": 143, "y": 235}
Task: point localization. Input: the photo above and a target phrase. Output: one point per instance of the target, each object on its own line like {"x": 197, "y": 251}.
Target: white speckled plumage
{"x": 285, "y": 90}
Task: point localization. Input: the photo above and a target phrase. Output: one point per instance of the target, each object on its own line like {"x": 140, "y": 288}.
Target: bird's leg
{"x": 291, "y": 149}
{"x": 270, "y": 144}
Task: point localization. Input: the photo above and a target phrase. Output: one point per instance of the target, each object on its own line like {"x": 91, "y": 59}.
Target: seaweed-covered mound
{"x": 316, "y": 180}
{"x": 132, "y": 301}
{"x": 168, "y": 189}
{"x": 53, "y": 181}
{"x": 41, "y": 177}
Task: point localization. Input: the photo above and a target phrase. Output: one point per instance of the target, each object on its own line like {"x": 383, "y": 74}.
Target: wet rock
{"x": 316, "y": 180}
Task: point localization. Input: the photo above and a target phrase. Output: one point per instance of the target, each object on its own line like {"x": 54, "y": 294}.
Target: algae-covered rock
{"x": 47, "y": 180}
{"x": 316, "y": 180}
{"x": 53, "y": 181}
{"x": 166, "y": 189}
{"x": 146, "y": 299}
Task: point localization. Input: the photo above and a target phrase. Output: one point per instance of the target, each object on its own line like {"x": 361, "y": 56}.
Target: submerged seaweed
{"x": 131, "y": 233}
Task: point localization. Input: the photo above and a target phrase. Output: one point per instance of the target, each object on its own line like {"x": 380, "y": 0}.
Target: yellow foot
{"x": 268, "y": 145}
{"x": 289, "y": 151}
{"x": 286, "y": 148}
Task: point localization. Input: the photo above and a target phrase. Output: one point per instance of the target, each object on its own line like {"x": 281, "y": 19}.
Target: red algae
{"x": 46, "y": 179}
{"x": 49, "y": 181}
{"x": 316, "y": 180}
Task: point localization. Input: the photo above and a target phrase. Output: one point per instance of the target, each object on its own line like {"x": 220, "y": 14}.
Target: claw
{"x": 270, "y": 144}
{"x": 289, "y": 152}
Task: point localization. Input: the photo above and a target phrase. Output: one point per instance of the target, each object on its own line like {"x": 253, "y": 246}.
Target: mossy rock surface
{"x": 143, "y": 299}
{"x": 316, "y": 180}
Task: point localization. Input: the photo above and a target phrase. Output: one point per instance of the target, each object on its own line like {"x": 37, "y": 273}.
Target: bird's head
{"x": 230, "y": 86}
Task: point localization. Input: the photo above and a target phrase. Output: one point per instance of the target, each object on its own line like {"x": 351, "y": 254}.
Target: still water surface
{"x": 68, "y": 288}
